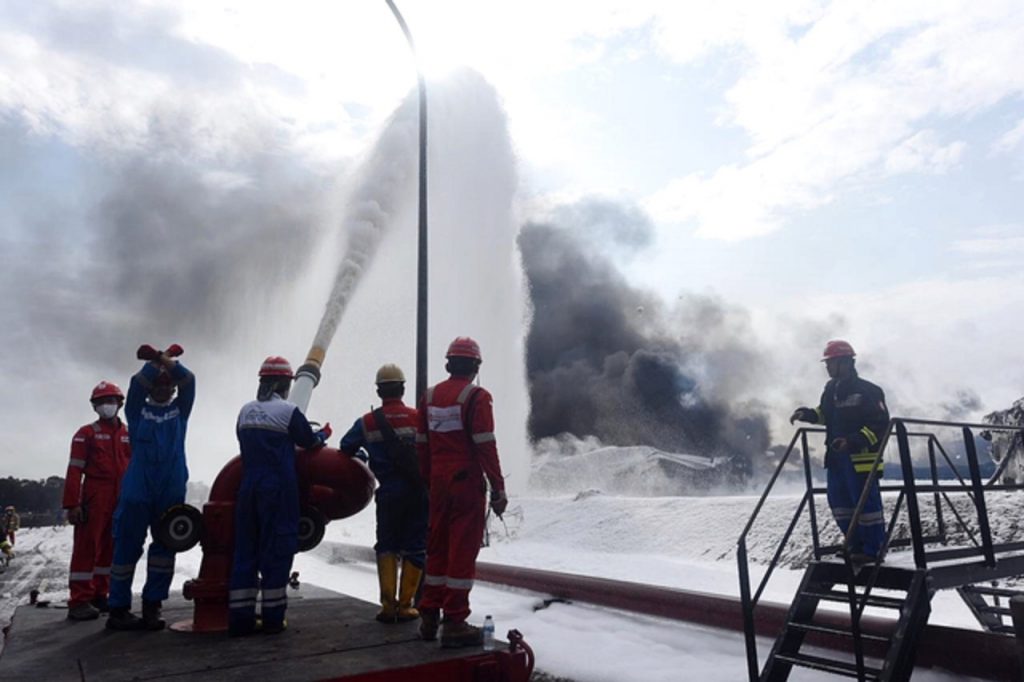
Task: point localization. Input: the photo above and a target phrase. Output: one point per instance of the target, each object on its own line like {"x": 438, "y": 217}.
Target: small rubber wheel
{"x": 312, "y": 525}
{"x": 180, "y": 528}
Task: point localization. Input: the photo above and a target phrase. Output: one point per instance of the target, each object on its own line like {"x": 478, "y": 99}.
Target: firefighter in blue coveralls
{"x": 154, "y": 482}
{"x": 401, "y": 496}
{"x": 855, "y": 417}
{"x": 267, "y": 507}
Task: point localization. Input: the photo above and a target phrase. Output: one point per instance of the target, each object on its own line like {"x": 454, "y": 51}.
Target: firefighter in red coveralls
{"x": 267, "y": 507}
{"x": 401, "y": 496}
{"x": 99, "y": 451}
{"x": 457, "y": 452}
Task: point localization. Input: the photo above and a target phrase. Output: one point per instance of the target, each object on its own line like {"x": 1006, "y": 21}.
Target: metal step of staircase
{"x": 995, "y": 591}
{"x": 844, "y": 598}
{"x": 828, "y": 665}
{"x": 991, "y": 616}
{"x": 841, "y": 632}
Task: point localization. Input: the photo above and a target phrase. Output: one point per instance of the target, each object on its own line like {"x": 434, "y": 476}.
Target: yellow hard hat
{"x": 389, "y": 374}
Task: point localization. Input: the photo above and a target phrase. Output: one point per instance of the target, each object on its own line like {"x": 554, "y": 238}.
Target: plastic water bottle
{"x": 488, "y": 634}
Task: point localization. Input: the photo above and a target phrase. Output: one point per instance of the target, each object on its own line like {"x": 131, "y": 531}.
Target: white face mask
{"x": 107, "y": 410}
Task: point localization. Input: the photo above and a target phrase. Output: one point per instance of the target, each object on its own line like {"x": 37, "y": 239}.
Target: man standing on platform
{"x": 100, "y": 452}
{"x": 267, "y": 507}
{"x": 457, "y": 453}
{"x": 855, "y": 417}
{"x": 155, "y": 481}
{"x": 389, "y": 434}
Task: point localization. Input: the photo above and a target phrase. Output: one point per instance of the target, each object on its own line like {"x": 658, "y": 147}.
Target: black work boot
{"x": 83, "y": 612}
{"x": 122, "y": 618}
{"x": 242, "y": 628}
{"x": 100, "y": 604}
{"x": 456, "y": 635}
{"x": 429, "y": 619}
{"x": 274, "y": 627}
{"x": 151, "y": 615}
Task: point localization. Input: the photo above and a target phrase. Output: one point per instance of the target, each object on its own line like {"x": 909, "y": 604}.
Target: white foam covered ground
{"x": 681, "y": 542}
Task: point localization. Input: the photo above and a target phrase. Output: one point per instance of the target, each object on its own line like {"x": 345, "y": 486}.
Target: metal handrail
{"x": 908, "y": 491}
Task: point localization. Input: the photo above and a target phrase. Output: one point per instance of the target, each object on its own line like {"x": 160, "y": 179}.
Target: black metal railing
{"x": 906, "y": 492}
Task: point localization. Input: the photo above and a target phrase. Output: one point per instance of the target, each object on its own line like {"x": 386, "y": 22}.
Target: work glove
{"x": 324, "y": 434}
{"x": 147, "y": 352}
{"x": 499, "y": 502}
{"x": 75, "y": 516}
{"x": 804, "y": 414}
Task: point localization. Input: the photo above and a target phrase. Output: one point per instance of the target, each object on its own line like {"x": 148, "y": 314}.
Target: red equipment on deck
{"x": 332, "y": 486}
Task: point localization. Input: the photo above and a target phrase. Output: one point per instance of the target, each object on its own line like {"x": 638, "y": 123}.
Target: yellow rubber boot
{"x": 387, "y": 574}
{"x": 411, "y": 576}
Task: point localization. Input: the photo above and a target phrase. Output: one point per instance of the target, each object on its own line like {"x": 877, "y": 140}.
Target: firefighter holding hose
{"x": 267, "y": 507}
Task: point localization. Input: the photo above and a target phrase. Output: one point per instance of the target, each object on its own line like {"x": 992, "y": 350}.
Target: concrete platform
{"x": 329, "y": 636}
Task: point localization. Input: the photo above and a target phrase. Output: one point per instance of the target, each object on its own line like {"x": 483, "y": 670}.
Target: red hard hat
{"x": 464, "y": 347}
{"x": 106, "y": 389}
{"x": 837, "y": 349}
{"x": 276, "y": 366}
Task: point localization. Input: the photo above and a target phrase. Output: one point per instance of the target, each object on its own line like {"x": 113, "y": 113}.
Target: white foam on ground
{"x": 682, "y": 542}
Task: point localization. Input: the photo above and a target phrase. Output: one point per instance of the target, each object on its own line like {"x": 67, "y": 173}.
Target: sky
{"x": 179, "y": 171}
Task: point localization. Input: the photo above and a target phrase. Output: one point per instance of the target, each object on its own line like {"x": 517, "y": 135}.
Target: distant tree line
{"x": 38, "y": 501}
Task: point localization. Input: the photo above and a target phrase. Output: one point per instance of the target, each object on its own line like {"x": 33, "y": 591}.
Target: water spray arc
{"x": 367, "y": 224}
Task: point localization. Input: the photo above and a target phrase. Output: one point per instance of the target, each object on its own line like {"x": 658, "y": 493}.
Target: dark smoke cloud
{"x": 609, "y": 360}
{"x": 164, "y": 251}
{"x": 183, "y": 231}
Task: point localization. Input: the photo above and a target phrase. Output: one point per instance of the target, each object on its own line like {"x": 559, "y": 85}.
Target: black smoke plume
{"x": 607, "y": 359}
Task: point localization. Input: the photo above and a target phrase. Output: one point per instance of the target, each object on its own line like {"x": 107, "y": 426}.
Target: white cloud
{"x": 923, "y": 153}
{"x": 925, "y": 340}
{"x": 1010, "y": 140}
{"x": 834, "y": 104}
{"x": 992, "y": 248}
{"x": 110, "y": 80}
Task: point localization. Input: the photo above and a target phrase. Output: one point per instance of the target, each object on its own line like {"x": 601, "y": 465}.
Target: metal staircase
{"x": 994, "y": 616}
{"x": 847, "y": 643}
{"x": 896, "y": 652}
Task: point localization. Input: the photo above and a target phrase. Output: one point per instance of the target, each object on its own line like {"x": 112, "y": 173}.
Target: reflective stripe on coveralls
{"x": 456, "y": 464}
{"x": 401, "y": 505}
{"x": 266, "y": 509}
{"x": 154, "y": 482}
{"x": 100, "y": 451}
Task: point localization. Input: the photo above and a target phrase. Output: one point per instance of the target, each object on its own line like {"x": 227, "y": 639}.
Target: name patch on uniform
{"x": 161, "y": 418}
{"x": 270, "y": 414}
{"x": 444, "y": 419}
